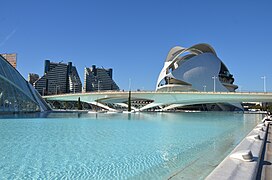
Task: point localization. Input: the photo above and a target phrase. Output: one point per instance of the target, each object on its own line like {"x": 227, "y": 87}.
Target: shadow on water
{"x": 150, "y": 116}
{"x": 48, "y": 114}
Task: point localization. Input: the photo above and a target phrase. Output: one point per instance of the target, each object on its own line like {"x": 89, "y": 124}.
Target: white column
{"x": 214, "y": 77}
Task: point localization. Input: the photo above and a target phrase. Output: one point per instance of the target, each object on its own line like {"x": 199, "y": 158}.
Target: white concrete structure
{"x": 163, "y": 100}
{"x": 195, "y": 69}
{"x": 187, "y": 72}
{"x": 244, "y": 161}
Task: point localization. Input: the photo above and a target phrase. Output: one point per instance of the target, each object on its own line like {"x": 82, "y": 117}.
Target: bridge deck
{"x": 170, "y": 99}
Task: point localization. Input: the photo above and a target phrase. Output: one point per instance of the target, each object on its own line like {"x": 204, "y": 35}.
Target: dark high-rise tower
{"x": 58, "y": 78}
{"x": 98, "y": 79}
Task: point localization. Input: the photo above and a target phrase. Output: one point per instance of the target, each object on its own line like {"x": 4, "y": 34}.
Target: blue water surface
{"x": 119, "y": 146}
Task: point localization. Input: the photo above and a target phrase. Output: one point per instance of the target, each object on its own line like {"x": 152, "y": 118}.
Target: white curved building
{"x": 196, "y": 68}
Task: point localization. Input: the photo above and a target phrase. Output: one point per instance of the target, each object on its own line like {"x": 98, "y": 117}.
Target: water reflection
{"x": 144, "y": 145}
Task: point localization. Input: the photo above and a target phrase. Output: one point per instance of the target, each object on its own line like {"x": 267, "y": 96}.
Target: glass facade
{"x": 13, "y": 100}
{"x": 16, "y": 94}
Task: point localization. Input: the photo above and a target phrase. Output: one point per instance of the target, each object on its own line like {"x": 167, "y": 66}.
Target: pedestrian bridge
{"x": 167, "y": 100}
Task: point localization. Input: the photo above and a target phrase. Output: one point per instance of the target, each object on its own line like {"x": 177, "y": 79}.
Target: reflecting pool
{"x": 119, "y": 146}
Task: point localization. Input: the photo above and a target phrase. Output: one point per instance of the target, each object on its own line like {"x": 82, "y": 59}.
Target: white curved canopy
{"x": 175, "y": 52}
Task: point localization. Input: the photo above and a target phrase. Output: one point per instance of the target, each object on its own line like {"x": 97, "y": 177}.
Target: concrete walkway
{"x": 236, "y": 166}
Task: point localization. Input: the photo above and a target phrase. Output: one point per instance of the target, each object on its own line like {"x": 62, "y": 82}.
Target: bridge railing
{"x": 158, "y": 92}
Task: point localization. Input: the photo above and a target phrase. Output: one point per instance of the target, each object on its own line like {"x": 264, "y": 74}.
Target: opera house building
{"x": 16, "y": 94}
{"x": 197, "y": 68}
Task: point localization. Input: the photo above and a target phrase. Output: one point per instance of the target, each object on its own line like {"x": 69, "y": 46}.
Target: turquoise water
{"x": 119, "y": 146}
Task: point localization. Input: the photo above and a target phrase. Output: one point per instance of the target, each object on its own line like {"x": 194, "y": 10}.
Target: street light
{"x": 98, "y": 88}
{"x": 57, "y": 86}
{"x": 204, "y": 88}
{"x": 264, "y": 83}
{"x": 75, "y": 87}
{"x": 43, "y": 90}
{"x": 214, "y": 77}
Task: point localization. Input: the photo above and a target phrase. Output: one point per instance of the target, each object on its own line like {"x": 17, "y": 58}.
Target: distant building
{"x": 98, "y": 79}
{"x": 197, "y": 68}
{"x": 32, "y": 77}
{"x": 58, "y": 78}
{"x": 11, "y": 58}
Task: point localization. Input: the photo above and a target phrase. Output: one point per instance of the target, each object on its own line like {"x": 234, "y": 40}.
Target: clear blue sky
{"x": 134, "y": 37}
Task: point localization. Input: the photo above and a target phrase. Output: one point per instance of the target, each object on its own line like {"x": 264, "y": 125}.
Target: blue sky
{"x": 134, "y": 37}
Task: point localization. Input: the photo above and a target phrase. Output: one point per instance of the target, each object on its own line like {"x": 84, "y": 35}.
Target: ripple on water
{"x": 148, "y": 146}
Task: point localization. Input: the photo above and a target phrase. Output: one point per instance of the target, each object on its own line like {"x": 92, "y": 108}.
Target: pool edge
{"x": 236, "y": 165}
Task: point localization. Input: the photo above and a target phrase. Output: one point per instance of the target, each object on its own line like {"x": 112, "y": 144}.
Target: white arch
{"x": 175, "y": 52}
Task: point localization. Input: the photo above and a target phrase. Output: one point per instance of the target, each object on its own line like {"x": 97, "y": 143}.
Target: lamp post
{"x": 75, "y": 87}
{"x": 93, "y": 89}
{"x": 43, "y": 91}
{"x": 204, "y": 88}
{"x": 98, "y": 88}
{"x": 264, "y": 83}
{"x": 214, "y": 77}
{"x": 57, "y": 86}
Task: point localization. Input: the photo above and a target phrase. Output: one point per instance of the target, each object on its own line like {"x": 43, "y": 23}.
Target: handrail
{"x": 158, "y": 92}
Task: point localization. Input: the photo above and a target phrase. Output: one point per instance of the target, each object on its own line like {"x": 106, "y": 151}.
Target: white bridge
{"x": 167, "y": 100}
